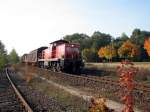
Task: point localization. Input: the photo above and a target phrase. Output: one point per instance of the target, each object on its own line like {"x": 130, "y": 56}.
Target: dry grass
{"x": 140, "y": 65}
{"x": 109, "y": 70}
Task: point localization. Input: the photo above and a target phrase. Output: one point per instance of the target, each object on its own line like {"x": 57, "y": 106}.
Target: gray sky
{"x": 28, "y": 24}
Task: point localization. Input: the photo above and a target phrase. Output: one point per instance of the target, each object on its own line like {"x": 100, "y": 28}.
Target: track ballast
{"x": 11, "y": 99}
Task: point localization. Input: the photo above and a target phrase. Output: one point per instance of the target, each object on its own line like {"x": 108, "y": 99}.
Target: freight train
{"x": 60, "y": 55}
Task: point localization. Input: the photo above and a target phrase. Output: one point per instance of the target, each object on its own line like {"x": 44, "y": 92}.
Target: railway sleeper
{"x": 10, "y": 95}
{"x": 9, "y": 104}
{"x": 14, "y": 108}
{"x": 6, "y": 99}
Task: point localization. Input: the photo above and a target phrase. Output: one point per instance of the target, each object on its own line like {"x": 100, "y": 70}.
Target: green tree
{"x": 90, "y": 55}
{"x": 100, "y": 39}
{"x": 138, "y": 37}
{"x": 120, "y": 40}
{"x": 3, "y": 55}
{"x": 13, "y": 57}
{"x": 85, "y": 54}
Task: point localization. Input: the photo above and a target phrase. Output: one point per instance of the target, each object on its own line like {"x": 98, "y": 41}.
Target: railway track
{"x": 101, "y": 85}
{"x": 138, "y": 86}
{"x": 95, "y": 85}
{"x": 11, "y": 99}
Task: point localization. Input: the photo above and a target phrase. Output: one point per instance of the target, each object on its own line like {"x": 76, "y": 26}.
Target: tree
{"x": 94, "y": 55}
{"x": 101, "y": 52}
{"x": 83, "y": 39}
{"x": 100, "y": 39}
{"x": 108, "y": 52}
{"x": 147, "y": 45}
{"x": 138, "y": 37}
{"x": 90, "y": 44}
{"x": 90, "y": 55}
{"x": 128, "y": 50}
{"x": 120, "y": 40}
{"x": 13, "y": 57}
{"x": 3, "y": 55}
{"x": 85, "y": 54}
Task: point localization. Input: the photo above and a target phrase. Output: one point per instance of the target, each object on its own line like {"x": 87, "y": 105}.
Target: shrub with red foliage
{"x": 127, "y": 73}
{"x": 98, "y": 105}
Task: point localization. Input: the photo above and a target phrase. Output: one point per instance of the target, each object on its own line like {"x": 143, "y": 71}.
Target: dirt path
{"x": 76, "y": 92}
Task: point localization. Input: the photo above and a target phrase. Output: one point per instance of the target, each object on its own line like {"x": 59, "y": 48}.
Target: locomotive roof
{"x": 24, "y": 54}
{"x": 39, "y": 49}
{"x": 59, "y": 41}
{"x": 42, "y": 48}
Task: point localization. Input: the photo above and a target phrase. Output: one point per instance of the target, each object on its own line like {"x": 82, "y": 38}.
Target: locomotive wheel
{"x": 42, "y": 65}
{"x": 74, "y": 69}
{"x": 58, "y": 68}
{"x": 78, "y": 70}
{"x": 54, "y": 69}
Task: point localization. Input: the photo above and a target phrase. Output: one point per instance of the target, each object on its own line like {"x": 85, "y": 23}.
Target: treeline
{"x": 103, "y": 47}
{"x": 11, "y": 58}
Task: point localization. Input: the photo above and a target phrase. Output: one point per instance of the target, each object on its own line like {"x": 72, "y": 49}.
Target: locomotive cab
{"x": 72, "y": 58}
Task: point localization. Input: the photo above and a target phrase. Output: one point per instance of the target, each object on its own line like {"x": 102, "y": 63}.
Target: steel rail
{"x": 23, "y": 101}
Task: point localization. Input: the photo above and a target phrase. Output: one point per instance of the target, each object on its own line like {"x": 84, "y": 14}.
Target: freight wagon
{"x": 34, "y": 56}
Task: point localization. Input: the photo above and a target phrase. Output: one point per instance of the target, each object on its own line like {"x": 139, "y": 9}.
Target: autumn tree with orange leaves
{"x": 147, "y": 45}
{"x": 128, "y": 50}
{"x": 107, "y": 52}
{"x": 101, "y": 52}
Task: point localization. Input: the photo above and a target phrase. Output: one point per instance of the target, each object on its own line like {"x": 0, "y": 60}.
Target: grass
{"x": 110, "y": 70}
{"x": 141, "y": 65}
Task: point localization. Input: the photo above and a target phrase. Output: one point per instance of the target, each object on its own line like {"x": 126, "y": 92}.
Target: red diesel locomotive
{"x": 59, "y": 56}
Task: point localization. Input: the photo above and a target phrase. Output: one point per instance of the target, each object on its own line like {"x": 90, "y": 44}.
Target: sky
{"x": 28, "y": 24}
